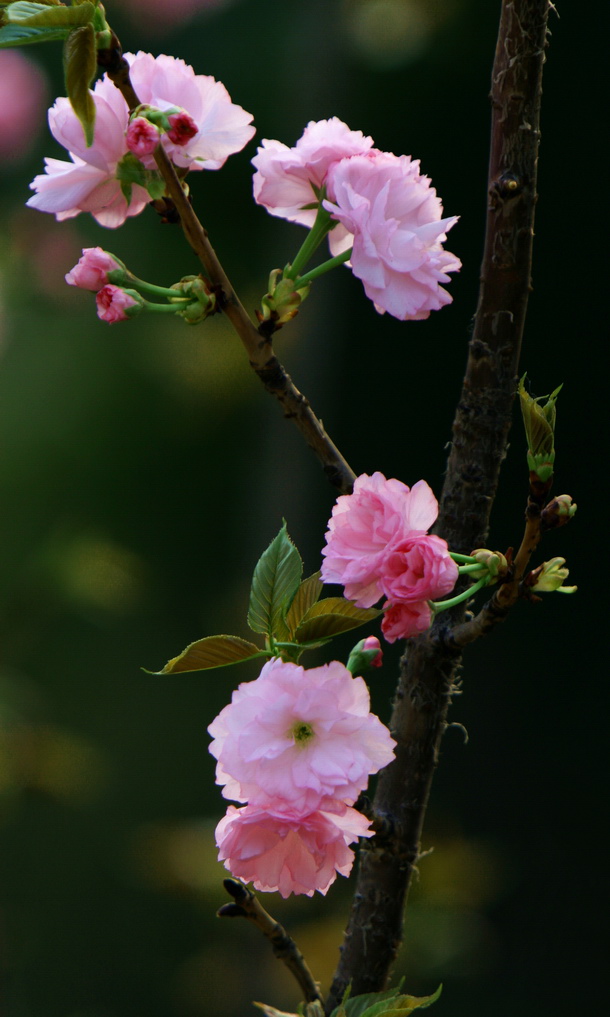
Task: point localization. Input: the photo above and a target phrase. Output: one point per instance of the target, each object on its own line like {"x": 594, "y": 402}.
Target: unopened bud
{"x": 142, "y": 137}
{"x": 539, "y": 421}
{"x": 182, "y": 128}
{"x": 116, "y": 304}
{"x": 549, "y": 577}
{"x": 558, "y": 512}
{"x": 282, "y": 302}
{"x": 365, "y": 654}
{"x": 494, "y": 562}
{"x": 203, "y": 299}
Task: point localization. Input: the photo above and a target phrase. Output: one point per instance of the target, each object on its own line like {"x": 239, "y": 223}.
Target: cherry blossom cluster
{"x": 381, "y": 208}
{"x": 297, "y": 745}
{"x": 378, "y": 545}
{"x": 204, "y": 128}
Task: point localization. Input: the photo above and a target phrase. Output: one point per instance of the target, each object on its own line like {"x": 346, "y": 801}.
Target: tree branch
{"x": 258, "y": 344}
{"x": 480, "y": 432}
{"x": 284, "y": 947}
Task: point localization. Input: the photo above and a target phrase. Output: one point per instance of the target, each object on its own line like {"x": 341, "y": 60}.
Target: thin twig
{"x": 258, "y": 344}
{"x": 428, "y": 668}
{"x": 247, "y": 905}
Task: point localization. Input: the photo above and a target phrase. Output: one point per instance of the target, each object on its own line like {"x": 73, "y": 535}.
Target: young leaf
{"x": 45, "y": 16}
{"x": 331, "y": 616}
{"x": 275, "y": 582}
{"x": 399, "y": 1006}
{"x": 213, "y": 651}
{"x": 21, "y": 35}
{"x": 306, "y": 596}
{"x": 80, "y": 65}
{"x": 357, "y": 1005}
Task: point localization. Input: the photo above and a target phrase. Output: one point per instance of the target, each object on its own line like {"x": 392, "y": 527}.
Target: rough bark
{"x": 480, "y": 433}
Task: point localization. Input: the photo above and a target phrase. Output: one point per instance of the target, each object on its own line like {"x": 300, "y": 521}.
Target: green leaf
{"x": 357, "y": 1005}
{"x": 275, "y": 582}
{"x": 213, "y": 651}
{"x": 331, "y": 616}
{"x": 306, "y": 596}
{"x": 80, "y": 65}
{"x": 49, "y": 16}
{"x": 400, "y": 1006}
{"x": 20, "y": 35}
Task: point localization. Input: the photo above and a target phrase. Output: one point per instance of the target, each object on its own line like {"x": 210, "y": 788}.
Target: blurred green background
{"x": 143, "y": 470}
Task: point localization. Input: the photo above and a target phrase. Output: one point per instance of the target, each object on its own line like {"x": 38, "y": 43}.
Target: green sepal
{"x": 213, "y": 651}
{"x": 130, "y": 171}
{"x": 36, "y": 15}
{"x": 331, "y": 616}
{"x": 80, "y": 65}
{"x": 22, "y": 35}
{"x": 307, "y": 595}
{"x": 275, "y": 583}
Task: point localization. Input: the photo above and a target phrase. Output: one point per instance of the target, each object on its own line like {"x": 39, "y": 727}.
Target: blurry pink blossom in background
{"x": 377, "y": 545}
{"x": 300, "y": 736}
{"x": 23, "y": 96}
{"x": 395, "y": 217}
{"x": 89, "y": 183}
{"x": 287, "y": 851}
{"x": 154, "y": 16}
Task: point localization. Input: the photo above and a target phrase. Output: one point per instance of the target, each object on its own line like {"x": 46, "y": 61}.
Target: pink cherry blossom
{"x": 364, "y": 528}
{"x": 302, "y": 737}
{"x": 223, "y": 128}
{"x": 89, "y": 183}
{"x": 402, "y": 621}
{"x": 285, "y": 177}
{"x": 418, "y": 568}
{"x": 91, "y": 272}
{"x": 142, "y": 137}
{"x": 114, "y": 304}
{"x": 394, "y": 215}
{"x": 283, "y": 850}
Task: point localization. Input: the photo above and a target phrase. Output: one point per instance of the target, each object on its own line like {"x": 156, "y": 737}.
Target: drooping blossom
{"x": 394, "y": 215}
{"x": 301, "y": 737}
{"x": 286, "y": 851}
{"x": 285, "y": 177}
{"x": 405, "y": 620}
{"x": 89, "y": 183}
{"x": 115, "y": 304}
{"x": 377, "y": 545}
{"x": 91, "y": 272}
{"x": 366, "y": 525}
{"x": 22, "y": 101}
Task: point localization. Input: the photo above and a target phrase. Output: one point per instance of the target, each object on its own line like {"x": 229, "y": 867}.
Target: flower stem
{"x": 466, "y": 558}
{"x": 475, "y": 567}
{"x": 159, "y": 291}
{"x": 444, "y": 605}
{"x": 326, "y": 266}
{"x": 322, "y": 225}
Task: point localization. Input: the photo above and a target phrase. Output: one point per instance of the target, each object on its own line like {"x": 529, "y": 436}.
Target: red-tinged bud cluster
{"x": 182, "y": 128}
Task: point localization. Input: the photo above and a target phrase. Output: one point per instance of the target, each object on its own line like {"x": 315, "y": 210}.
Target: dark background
{"x": 143, "y": 470}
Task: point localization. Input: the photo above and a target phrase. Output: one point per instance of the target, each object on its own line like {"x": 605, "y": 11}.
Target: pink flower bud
{"x": 115, "y": 304}
{"x": 183, "y": 128}
{"x": 142, "y": 137}
{"x": 91, "y": 272}
{"x": 372, "y": 643}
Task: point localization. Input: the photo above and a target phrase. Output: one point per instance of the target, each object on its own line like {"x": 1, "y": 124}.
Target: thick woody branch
{"x": 480, "y": 432}
{"x": 247, "y": 905}
{"x": 259, "y": 347}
